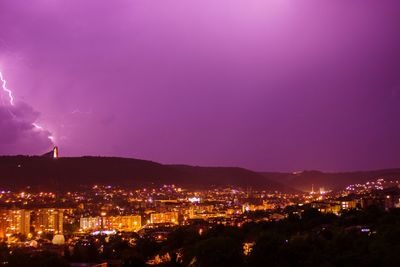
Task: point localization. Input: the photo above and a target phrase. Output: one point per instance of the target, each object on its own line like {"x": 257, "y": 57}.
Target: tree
{"x": 218, "y": 252}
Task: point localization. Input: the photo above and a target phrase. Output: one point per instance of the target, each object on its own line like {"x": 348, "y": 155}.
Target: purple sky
{"x": 263, "y": 84}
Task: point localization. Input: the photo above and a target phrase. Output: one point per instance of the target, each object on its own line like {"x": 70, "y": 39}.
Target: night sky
{"x": 263, "y": 84}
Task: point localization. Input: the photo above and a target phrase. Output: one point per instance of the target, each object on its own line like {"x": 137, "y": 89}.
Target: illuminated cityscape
{"x": 63, "y": 220}
{"x": 212, "y": 133}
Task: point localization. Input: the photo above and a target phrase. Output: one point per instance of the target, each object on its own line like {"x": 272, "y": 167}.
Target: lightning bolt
{"x": 5, "y": 89}
{"x": 40, "y": 128}
{"x": 37, "y": 126}
{"x": 11, "y": 101}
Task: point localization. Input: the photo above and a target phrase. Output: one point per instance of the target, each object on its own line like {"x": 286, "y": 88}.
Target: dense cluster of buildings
{"x": 108, "y": 209}
{"x": 129, "y": 223}
{"x": 26, "y": 222}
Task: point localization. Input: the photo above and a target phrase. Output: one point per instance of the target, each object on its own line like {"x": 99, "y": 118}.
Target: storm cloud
{"x": 18, "y": 135}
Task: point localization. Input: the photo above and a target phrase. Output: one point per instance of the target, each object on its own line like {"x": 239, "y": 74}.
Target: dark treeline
{"x": 356, "y": 238}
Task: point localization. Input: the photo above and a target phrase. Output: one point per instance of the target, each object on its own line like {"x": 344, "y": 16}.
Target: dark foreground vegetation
{"x": 356, "y": 238}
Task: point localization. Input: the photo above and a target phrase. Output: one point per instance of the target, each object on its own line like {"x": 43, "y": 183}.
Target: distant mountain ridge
{"x": 70, "y": 173}
{"x": 63, "y": 173}
{"x": 304, "y": 180}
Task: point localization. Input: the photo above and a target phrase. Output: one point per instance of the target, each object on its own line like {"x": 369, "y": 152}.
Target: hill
{"x": 69, "y": 173}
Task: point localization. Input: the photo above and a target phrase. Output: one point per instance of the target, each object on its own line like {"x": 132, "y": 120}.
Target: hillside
{"x": 63, "y": 173}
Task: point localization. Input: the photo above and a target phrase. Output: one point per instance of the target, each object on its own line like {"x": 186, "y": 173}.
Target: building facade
{"x": 14, "y": 222}
{"x": 49, "y": 220}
